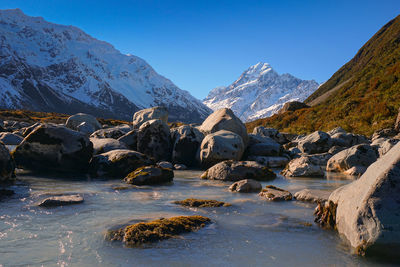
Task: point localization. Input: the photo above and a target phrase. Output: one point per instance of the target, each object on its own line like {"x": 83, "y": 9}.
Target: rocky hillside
{"x": 362, "y": 96}
{"x": 57, "y": 68}
{"x": 259, "y": 92}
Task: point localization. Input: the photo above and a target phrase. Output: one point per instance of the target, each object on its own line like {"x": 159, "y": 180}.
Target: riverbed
{"x": 251, "y": 232}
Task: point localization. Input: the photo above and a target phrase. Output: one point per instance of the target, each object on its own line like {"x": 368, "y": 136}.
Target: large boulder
{"x": 103, "y": 145}
{"x": 317, "y": 142}
{"x": 230, "y": 170}
{"x": 270, "y": 148}
{"x": 118, "y": 163}
{"x": 220, "y": 146}
{"x": 7, "y": 166}
{"x": 130, "y": 139}
{"x": 10, "y": 138}
{"x": 154, "y": 113}
{"x": 272, "y": 162}
{"x": 150, "y": 175}
{"x": 154, "y": 140}
{"x": 86, "y": 128}
{"x": 303, "y": 167}
{"x": 271, "y": 133}
{"x": 75, "y": 120}
{"x": 359, "y": 156}
{"x": 367, "y": 211}
{"x": 186, "y": 142}
{"x": 112, "y": 132}
{"x": 224, "y": 119}
{"x": 56, "y": 148}
{"x": 348, "y": 139}
{"x": 383, "y": 145}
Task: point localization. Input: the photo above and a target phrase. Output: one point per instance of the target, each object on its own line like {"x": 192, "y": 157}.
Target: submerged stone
{"x": 202, "y": 203}
{"x": 148, "y": 232}
{"x": 273, "y": 193}
{"x": 61, "y": 201}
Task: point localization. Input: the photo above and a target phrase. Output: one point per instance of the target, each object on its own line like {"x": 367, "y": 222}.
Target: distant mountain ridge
{"x": 362, "y": 96}
{"x": 259, "y": 92}
{"x": 57, "y": 68}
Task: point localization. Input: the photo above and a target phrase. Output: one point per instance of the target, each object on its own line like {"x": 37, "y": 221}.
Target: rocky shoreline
{"x": 366, "y": 211}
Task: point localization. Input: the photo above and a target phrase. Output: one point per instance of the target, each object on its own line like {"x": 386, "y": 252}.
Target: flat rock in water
{"x": 149, "y": 232}
{"x": 246, "y": 186}
{"x": 201, "y": 203}
{"x": 57, "y": 201}
{"x": 312, "y": 195}
{"x": 273, "y": 193}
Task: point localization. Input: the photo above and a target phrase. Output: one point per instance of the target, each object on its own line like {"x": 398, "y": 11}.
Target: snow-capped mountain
{"x": 50, "y": 67}
{"x": 259, "y": 92}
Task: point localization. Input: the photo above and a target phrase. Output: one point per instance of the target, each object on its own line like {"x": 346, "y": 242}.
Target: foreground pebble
{"x": 246, "y": 186}
{"x": 273, "y": 193}
{"x": 57, "y": 201}
{"x": 148, "y": 232}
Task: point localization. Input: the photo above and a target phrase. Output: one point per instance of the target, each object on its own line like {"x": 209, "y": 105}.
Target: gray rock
{"x": 230, "y": 170}
{"x": 86, "y": 128}
{"x": 312, "y": 195}
{"x": 337, "y": 130}
{"x": 150, "y": 175}
{"x": 57, "y": 201}
{"x": 271, "y": 133}
{"x": 303, "y": 167}
{"x": 220, "y": 146}
{"x": 336, "y": 149}
{"x": 180, "y": 167}
{"x": 75, "y": 120}
{"x": 357, "y": 156}
{"x": 130, "y": 139}
{"x": 272, "y": 162}
{"x": 154, "y": 113}
{"x": 348, "y": 139}
{"x": 113, "y": 132}
{"x": 186, "y": 141}
{"x": 224, "y": 119}
{"x": 165, "y": 165}
{"x": 268, "y": 148}
{"x": 246, "y": 186}
{"x": 383, "y": 145}
{"x": 118, "y": 163}
{"x": 154, "y": 140}
{"x": 368, "y": 210}
{"x": 10, "y": 138}
{"x": 317, "y": 142}
{"x": 273, "y": 193}
{"x": 7, "y": 166}
{"x": 103, "y": 145}
{"x": 56, "y": 148}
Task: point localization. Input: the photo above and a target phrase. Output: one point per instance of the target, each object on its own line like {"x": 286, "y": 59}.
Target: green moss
{"x": 147, "y": 232}
{"x": 201, "y": 203}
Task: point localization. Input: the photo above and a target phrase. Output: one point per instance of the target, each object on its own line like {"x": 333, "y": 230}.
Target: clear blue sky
{"x": 203, "y": 44}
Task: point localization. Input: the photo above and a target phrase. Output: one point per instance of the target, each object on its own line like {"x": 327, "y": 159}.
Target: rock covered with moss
{"x": 150, "y": 175}
{"x": 51, "y": 147}
{"x": 273, "y": 193}
{"x": 117, "y": 163}
{"x": 201, "y": 203}
{"x": 148, "y": 232}
{"x": 230, "y": 170}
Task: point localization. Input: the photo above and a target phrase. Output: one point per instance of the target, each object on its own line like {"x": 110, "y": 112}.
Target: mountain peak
{"x": 259, "y": 92}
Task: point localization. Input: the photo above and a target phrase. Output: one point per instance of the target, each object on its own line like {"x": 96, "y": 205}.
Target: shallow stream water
{"x": 252, "y": 232}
